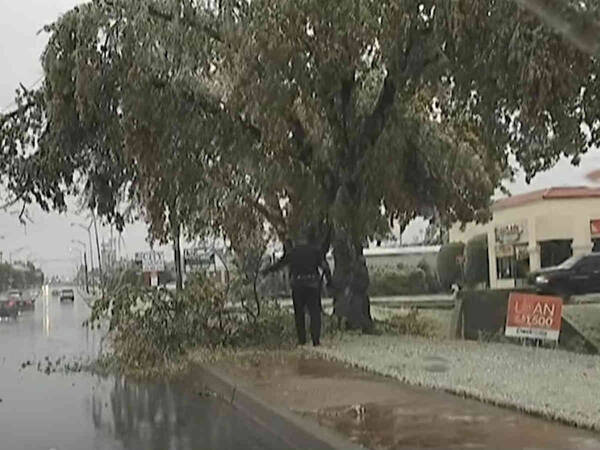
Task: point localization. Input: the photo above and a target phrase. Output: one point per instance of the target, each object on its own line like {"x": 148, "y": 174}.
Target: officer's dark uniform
{"x": 304, "y": 261}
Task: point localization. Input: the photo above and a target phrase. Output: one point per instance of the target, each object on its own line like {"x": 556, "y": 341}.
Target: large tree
{"x": 349, "y": 113}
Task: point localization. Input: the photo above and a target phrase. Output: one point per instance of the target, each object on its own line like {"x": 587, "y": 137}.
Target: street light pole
{"x": 85, "y": 266}
{"x": 79, "y": 263}
{"x": 89, "y": 233}
{"x": 97, "y": 244}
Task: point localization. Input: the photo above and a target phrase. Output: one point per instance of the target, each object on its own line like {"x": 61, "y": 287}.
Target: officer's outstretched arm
{"x": 277, "y": 265}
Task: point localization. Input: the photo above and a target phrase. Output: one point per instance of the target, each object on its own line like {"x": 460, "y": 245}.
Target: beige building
{"x": 390, "y": 258}
{"x": 535, "y": 230}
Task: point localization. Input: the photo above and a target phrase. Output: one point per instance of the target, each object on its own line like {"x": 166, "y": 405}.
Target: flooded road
{"x": 76, "y": 410}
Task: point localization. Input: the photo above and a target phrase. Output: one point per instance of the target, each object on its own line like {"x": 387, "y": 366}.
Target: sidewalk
{"x": 380, "y": 412}
{"x": 554, "y": 384}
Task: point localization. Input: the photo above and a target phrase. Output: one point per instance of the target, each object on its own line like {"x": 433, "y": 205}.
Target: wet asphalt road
{"x": 79, "y": 411}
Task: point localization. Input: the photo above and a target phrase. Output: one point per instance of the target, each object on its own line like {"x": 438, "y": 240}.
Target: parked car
{"x": 22, "y": 301}
{"x": 67, "y": 294}
{"x": 55, "y": 293}
{"x": 575, "y": 276}
{"x": 8, "y": 307}
{"x": 15, "y": 294}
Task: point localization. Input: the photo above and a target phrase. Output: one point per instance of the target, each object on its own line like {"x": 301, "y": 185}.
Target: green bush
{"x": 130, "y": 276}
{"x": 13, "y": 278}
{"x": 150, "y": 328}
{"x": 406, "y": 281}
{"x": 476, "y": 261}
{"x": 449, "y": 269}
{"x": 431, "y": 278}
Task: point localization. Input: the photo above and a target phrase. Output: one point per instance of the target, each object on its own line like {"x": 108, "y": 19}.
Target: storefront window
{"x": 505, "y": 267}
{"x": 522, "y": 261}
{"x": 552, "y": 253}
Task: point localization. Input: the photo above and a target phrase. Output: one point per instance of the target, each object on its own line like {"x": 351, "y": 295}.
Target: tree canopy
{"x": 225, "y": 115}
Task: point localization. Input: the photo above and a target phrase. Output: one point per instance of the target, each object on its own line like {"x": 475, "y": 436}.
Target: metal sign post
{"x": 153, "y": 279}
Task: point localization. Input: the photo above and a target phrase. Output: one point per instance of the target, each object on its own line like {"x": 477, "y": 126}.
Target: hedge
{"x": 476, "y": 261}
{"x": 448, "y": 267}
{"x": 403, "y": 281}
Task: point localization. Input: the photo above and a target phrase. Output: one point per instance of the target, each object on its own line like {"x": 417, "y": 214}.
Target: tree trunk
{"x": 351, "y": 282}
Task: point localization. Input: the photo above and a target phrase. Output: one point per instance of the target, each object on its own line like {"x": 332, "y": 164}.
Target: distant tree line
{"x": 20, "y": 276}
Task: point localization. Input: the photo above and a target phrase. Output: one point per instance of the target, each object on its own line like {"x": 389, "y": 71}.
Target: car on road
{"x": 8, "y": 307}
{"x": 22, "y": 300}
{"x": 67, "y": 294}
{"x": 577, "y": 275}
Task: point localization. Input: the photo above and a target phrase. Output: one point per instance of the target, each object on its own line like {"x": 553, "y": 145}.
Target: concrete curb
{"x": 295, "y": 430}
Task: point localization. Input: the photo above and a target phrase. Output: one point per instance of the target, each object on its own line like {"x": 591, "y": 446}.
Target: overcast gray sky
{"x": 48, "y": 238}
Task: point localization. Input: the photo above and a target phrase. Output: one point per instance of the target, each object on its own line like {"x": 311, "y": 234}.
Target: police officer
{"x": 304, "y": 260}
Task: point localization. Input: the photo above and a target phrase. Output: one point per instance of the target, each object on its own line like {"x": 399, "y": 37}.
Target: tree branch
{"x": 346, "y": 104}
{"x": 374, "y": 124}
{"x": 299, "y": 136}
{"x": 585, "y": 34}
{"x": 414, "y": 64}
{"x": 13, "y": 202}
{"x": 11, "y": 115}
{"x": 276, "y": 220}
{"x": 215, "y": 107}
{"x": 211, "y": 32}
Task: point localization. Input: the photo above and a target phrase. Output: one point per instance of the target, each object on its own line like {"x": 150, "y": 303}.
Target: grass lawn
{"x": 586, "y": 318}
{"x": 439, "y": 318}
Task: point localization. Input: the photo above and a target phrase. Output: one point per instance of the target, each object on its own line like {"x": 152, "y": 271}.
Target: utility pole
{"x": 85, "y": 266}
{"x": 97, "y": 246}
{"x": 87, "y": 287}
{"x": 87, "y": 229}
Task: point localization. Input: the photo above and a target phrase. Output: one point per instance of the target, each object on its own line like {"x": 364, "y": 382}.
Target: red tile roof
{"x": 547, "y": 194}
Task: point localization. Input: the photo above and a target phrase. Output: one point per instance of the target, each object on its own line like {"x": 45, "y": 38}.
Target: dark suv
{"x": 577, "y": 275}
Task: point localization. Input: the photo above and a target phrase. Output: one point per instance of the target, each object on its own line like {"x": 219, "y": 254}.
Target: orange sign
{"x": 533, "y": 316}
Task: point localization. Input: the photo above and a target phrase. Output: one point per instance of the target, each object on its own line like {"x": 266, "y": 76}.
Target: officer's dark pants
{"x": 307, "y": 296}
